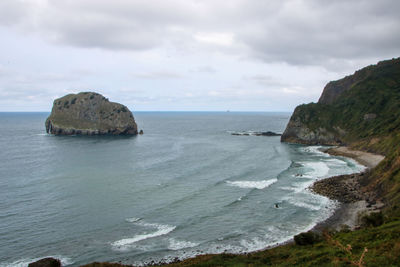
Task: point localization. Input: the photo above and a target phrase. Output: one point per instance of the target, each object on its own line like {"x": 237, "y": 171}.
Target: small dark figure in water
{"x": 276, "y": 205}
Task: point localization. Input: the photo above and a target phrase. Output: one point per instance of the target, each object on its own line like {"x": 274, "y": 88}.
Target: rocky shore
{"x": 353, "y": 199}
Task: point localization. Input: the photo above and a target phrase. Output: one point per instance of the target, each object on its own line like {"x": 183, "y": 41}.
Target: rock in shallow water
{"x": 89, "y": 113}
{"x": 46, "y": 262}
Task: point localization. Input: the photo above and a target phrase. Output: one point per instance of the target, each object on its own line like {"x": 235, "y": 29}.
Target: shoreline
{"x": 347, "y": 190}
{"x": 369, "y": 160}
{"x": 352, "y": 202}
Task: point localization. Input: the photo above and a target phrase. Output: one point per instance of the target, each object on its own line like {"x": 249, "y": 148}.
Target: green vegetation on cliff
{"x": 364, "y": 114}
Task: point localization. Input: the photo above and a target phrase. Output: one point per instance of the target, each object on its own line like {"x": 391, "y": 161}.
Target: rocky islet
{"x": 89, "y": 113}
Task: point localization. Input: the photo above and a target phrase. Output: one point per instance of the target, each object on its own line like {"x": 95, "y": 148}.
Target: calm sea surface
{"x": 185, "y": 187}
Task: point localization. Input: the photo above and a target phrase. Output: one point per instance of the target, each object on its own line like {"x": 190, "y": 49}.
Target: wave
{"x": 318, "y": 169}
{"x": 65, "y": 261}
{"x": 133, "y": 219}
{"x": 300, "y": 204}
{"x": 175, "y": 244}
{"x": 289, "y": 188}
{"x": 315, "y": 150}
{"x": 254, "y": 244}
{"x": 161, "y": 229}
{"x": 252, "y": 184}
{"x": 273, "y": 237}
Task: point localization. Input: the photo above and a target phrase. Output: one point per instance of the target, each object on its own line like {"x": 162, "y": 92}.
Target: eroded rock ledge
{"x": 89, "y": 113}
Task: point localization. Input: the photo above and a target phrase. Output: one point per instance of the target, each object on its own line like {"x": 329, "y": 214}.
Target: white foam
{"x": 161, "y": 229}
{"x": 335, "y": 161}
{"x": 300, "y": 204}
{"x": 318, "y": 169}
{"x": 175, "y": 244}
{"x": 315, "y": 150}
{"x": 289, "y": 188}
{"x": 253, "y": 184}
{"x": 65, "y": 261}
{"x": 254, "y": 244}
{"x": 242, "y": 133}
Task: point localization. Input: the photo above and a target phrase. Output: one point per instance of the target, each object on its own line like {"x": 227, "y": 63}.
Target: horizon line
{"x": 221, "y": 111}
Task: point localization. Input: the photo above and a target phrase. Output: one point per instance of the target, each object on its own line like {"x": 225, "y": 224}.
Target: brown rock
{"x": 46, "y": 262}
{"x": 89, "y": 114}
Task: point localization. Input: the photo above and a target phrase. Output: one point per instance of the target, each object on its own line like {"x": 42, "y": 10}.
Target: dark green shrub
{"x": 307, "y": 238}
{"x": 374, "y": 219}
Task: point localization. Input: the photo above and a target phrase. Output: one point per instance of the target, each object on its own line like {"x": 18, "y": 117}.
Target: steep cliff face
{"x": 89, "y": 114}
{"x": 359, "y": 109}
{"x": 334, "y": 89}
{"x": 302, "y": 129}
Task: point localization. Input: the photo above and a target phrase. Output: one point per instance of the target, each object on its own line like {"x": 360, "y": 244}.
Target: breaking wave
{"x": 253, "y": 184}
{"x": 161, "y": 229}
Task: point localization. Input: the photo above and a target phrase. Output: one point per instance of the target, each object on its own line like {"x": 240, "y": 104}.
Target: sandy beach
{"x": 347, "y": 190}
{"x": 367, "y": 159}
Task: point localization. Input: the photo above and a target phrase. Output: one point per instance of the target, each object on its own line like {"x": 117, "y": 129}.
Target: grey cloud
{"x": 317, "y": 31}
{"x": 129, "y": 25}
{"x": 13, "y": 11}
{"x": 313, "y": 32}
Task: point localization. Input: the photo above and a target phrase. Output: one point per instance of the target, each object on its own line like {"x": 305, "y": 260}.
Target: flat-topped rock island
{"x": 89, "y": 113}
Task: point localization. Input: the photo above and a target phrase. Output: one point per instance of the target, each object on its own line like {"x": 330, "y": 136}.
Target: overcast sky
{"x": 239, "y": 55}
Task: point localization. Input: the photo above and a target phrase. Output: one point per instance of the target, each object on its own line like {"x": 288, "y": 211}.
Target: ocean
{"x": 186, "y": 187}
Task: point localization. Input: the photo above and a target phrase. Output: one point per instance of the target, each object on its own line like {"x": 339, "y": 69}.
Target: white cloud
{"x": 214, "y": 38}
{"x": 158, "y": 75}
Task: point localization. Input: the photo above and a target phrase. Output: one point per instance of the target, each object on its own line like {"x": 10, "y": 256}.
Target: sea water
{"x": 185, "y": 187}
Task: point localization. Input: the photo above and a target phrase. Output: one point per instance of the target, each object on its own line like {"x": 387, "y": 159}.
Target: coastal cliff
{"x": 360, "y": 109}
{"x": 89, "y": 113}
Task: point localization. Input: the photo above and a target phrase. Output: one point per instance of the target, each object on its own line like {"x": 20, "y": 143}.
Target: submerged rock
{"x": 46, "y": 262}
{"x": 268, "y": 133}
{"x": 89, "y": 113}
